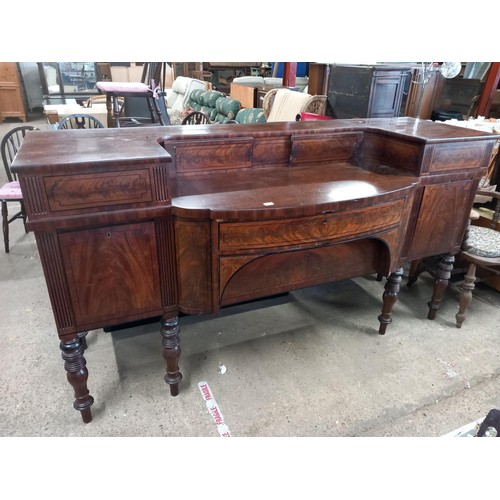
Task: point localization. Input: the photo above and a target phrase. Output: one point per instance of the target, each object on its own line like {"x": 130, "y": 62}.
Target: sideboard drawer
{"x": 320, "y": 228}
{"x": 103, "y": 189}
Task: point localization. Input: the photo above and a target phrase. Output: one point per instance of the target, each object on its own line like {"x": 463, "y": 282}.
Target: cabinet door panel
{"x": 440, "y": 225}
{"x": 112, "y": 271}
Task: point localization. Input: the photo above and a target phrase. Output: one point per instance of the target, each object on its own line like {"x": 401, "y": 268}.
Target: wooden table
{"x": 144, "y": 222}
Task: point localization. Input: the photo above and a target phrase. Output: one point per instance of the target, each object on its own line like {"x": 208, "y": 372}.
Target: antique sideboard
{"x": 148, "y": 222}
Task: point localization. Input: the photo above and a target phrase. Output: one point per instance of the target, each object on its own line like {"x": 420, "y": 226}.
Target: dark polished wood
{"x": 157, "y": 221}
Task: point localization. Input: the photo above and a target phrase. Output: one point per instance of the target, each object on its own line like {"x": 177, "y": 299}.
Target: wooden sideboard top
{"x": 274, "y": 192}
{"x": 126, "y": 145}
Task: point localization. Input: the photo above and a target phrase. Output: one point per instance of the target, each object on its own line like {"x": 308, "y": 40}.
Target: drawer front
{"x": 253, "y": 235}
{"x": 458, "y": 156}
{"x": 98, "y": 190}
{"x": 213, "y": 155}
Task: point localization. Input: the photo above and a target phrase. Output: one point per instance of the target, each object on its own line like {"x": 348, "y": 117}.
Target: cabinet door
{"x": 386, "y": 94}
{"x": 112, "y": 272}
{"x": 442, "y": 217}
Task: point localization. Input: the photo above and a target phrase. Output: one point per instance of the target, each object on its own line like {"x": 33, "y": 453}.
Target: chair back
{"x": 196, "y": 118}
{"x": 79, "y": 121}
{"x": 10, "y": 145}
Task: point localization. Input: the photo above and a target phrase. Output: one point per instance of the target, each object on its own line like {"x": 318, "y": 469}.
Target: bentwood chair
{"x": 79, "y": 121}
{"x": 195, "y": 118}
{"x": 11, "y": 191}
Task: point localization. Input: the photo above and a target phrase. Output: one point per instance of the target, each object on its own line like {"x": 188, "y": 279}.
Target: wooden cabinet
{"x": 11, "y": 96}
{"x": 318, "y": 78}
{"x": 135, "y": 223}
{"x": 424, "y": 93}
{"x": 358, "y": 91}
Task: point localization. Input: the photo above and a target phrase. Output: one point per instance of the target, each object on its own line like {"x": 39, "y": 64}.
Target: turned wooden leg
{"x": 116, "y": 112}
{"x": 109, "y": 110}
{"x": 75, "y": 365}
{"x": 390, "y": 297}
{"x": 466, "y": 294}
{"x": 416, "y": 268}
{"x": 443, "y": 274}
{"x": 5, "y": 226}
{"x": 171, "y": 352}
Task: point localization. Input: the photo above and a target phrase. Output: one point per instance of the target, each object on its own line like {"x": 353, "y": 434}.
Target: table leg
{"x": 171, "y": 352}
{"x": 75, "y": 365}
{"x": 390, "y": 297}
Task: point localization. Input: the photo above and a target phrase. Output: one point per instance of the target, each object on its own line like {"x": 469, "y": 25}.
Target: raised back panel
{"x": 324, "y": 147}
{"x": 215, "y": 154}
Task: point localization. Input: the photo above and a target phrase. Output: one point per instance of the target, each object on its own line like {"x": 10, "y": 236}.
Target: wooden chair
{"x": 480, "y": 251}
{"x": 79, "y": 121}
{"x": 478, "y": 258}
{"x": 149, "y": 88}
{"x": 195, "y": 118}
{"x": 11, "y": 191}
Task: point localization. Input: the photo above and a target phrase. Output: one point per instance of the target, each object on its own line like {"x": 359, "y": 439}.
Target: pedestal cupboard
{"x": 11, "y": 95}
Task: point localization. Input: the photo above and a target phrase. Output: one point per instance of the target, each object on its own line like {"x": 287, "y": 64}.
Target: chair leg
{"x": 443, "y": 274}
{"x": 23, "y": 214}
{"x": 416, "y": 268}
{"x": 466, "y": 294}
{"x": 5, "y": 226}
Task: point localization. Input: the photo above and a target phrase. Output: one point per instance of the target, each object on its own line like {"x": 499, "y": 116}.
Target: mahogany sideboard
{"x": 155, "y": 221}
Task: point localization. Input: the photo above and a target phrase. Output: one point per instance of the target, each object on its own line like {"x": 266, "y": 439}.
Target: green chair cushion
{"x": 251, "y": 115}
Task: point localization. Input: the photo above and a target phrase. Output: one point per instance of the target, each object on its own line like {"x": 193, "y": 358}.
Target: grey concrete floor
{"x": 307, "y": 364}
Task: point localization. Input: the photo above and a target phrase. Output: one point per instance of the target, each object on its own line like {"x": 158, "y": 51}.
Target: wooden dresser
{"x": 144, "y": 222}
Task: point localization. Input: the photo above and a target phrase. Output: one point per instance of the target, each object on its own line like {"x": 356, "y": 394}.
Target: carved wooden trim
{"x": 160, "y": 185}
{"x": 34, "y": 195}
{"x": 55, "y": 275}
{"x": 166, "y": 260}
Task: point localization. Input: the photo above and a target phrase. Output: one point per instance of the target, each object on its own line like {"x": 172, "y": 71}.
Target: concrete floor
{"x": 310, "y": 363}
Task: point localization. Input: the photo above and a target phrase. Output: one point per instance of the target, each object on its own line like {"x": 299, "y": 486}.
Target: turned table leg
{"x": 443, "y": 274}
{"x": 466, "y": 294}
{"x": 75, "y": 365}
{"x": 390, "y": 297}
{"x": 171, "y": 352}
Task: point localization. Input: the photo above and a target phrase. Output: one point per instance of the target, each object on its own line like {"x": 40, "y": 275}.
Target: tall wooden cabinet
{"x": 11, "y": 95}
